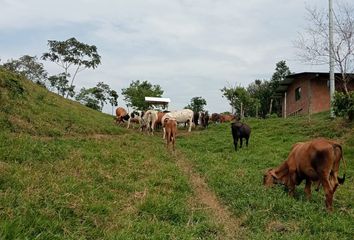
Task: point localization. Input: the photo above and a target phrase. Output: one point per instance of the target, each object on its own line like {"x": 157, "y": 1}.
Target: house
{"x": 307, "y": 92}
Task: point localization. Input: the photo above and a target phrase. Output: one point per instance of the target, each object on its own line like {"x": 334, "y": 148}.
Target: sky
{"x": 191, "y": 48}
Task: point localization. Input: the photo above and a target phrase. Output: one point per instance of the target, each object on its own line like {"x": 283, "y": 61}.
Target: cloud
{"x": 189, "y": 47}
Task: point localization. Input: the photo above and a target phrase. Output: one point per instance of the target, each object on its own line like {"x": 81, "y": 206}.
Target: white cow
{"x": 181, "y": 116}
{"x": 149, "y": 120}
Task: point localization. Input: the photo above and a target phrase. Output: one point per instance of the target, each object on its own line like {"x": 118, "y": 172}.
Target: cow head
{"x": 274, "y": 176}
{"x": 270, "y": 178}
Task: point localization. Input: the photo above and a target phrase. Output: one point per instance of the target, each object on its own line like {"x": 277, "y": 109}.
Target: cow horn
{"x": 341, "y": 180}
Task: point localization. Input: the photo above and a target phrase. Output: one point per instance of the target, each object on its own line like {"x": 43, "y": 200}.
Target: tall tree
{"x": 29, "y": 67}
{"x": 197, "y": 104}
{"x": 281, "y": 71}
{"x": 113, "y": 99}
{"x": 135, "y": 94}
{"x": 72, "y": 54}
{"x": 313, "y": 44}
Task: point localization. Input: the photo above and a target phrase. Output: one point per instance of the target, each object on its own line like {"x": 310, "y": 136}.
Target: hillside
{"x": 68, "y": 172}
{"x": 28, "y": 108}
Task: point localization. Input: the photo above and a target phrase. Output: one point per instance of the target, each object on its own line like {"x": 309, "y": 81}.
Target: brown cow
{"x": 170, "y": 125}
{"x": 316, "y": 160}
{"x": 159, "y": 118}
{"x": 121, "y": 115}
{"x": 227, "y": 118}
{"x": 215, "y": 117}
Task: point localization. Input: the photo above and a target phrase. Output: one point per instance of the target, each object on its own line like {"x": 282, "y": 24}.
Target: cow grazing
{"x": 181, "y": 116}
{"x": 171, "y": 132}
{"x": 135, "y": 117}
{"x": 226, "y": 118}
{"x": 149, "y": 120}
{"x": 239, "y": 131}
{"x": 316, "y": 160}
{"x": 121, "y": 115}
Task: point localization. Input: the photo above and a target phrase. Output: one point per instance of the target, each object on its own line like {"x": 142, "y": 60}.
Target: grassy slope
{"x": 236, "y": 177}
{"x": 67, "y": 171}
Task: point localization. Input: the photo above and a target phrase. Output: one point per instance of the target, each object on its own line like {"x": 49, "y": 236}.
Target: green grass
{"x": 236, "y": 177}
{"x": 68, "y": 172}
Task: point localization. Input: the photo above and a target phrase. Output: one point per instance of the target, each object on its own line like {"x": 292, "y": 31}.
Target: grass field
{"x": 67, "y": 172}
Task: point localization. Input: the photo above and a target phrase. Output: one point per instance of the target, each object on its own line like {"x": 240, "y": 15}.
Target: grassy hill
{"x": 68, "y": 172}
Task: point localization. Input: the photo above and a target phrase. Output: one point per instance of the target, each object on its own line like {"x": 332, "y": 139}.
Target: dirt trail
{"x": 219, "y": 212}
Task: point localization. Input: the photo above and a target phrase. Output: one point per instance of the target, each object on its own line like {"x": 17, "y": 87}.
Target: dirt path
{"x": 203, "y": 195}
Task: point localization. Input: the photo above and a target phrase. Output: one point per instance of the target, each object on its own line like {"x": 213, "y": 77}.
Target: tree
{"x": 135, "y": 94}
{"x": 29, "y": 67}
{"x": 197, "y": 104}
{"x": 313, "y": 45}
{"x": 113, "y": 99}
{"x": 72, "y": 54}
{"x": 239, "y": 99}
{"x": 97, "y": 96}
{"x": 281, "y": 71}
{"x": 61, "y": 84}
{"x": 262, "y": 92}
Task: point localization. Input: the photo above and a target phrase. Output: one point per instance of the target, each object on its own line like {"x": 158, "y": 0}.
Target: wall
{"x": 300, "y": 106}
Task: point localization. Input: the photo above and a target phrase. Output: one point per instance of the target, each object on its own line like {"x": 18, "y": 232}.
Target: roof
{"x": 157, "y": 100}
{"x": 283, "y": 85}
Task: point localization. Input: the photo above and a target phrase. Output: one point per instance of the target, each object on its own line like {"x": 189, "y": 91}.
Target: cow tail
{"x": 341, "y": 180}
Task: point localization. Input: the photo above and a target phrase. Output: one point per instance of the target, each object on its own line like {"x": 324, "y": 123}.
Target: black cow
{"x": 240, "y": 130}
{"x": 204, "y": 118}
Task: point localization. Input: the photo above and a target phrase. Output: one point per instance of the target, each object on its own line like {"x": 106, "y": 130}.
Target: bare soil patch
{"x": 205, "y": 196}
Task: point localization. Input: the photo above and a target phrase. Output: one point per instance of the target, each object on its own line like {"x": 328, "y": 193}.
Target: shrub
{"x": 343, "y": 105}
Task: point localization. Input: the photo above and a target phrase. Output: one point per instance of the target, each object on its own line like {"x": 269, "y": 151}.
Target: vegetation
{"x": 96, "y": 97}
{"x": 258, "y": 99}
{"x": 343, "y": 105}
{"x": 197, "y": 104}
{"x": 68, "y": 172}
{"x": 29, "y": 67}
{"x": 135, "y": 94}
{"x": 313, "y": 43}
{"x": 70, "y": 54}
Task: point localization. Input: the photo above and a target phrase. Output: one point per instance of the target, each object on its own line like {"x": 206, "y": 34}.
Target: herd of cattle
{"x": 313, "y": 161}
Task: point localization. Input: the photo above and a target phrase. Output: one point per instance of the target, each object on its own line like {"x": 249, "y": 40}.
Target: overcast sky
{"x": 190, "y": 48}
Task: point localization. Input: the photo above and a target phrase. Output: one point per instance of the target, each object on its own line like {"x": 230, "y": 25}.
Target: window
{"x": 297, "y": 93}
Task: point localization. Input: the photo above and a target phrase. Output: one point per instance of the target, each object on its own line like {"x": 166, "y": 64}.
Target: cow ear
{"x": 272, "y": 172}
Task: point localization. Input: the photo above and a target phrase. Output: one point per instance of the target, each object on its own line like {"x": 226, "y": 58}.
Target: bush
{"x": 343, "y": 105}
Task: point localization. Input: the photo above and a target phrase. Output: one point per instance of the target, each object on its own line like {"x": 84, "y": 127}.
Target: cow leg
{"x": 246, "y": 142}
{"x": 190, "y": 125}
{"x": 128, "y": 123}
{"x": 235, "y": 143}
{"x": 328, "y": 193}
{"x": 173, "y": 141}
{"x": 291, "y": 183}
{"x": 167, "y": 139}
{"x": 308, "y": 189}
{"x": 240, "y": 142}
{"x": 152, "y": 127}
{"x": 164, "y": 133}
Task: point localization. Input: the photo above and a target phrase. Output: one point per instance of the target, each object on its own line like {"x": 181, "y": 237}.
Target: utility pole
{"x": 331, "y": 57}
